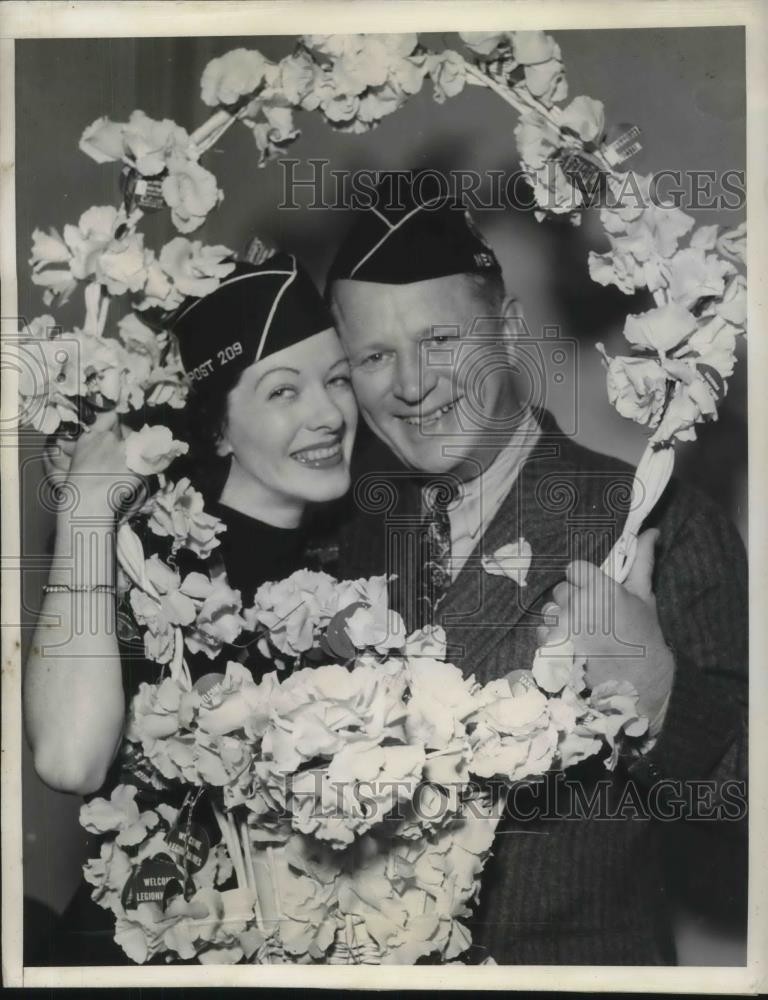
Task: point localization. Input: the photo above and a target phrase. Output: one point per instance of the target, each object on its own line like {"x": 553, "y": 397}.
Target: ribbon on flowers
{"x": 651, "y": 477}
{"x": 130, "y": 556}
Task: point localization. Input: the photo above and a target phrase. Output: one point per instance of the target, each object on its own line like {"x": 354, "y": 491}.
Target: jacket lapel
{"x": 558, "y": 504}
{"x": 481, "y": 608}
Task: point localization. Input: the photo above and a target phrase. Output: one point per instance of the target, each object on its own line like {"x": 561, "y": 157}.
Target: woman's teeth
{"x": 431, "y": 418}
{"x": 319, "y": 457}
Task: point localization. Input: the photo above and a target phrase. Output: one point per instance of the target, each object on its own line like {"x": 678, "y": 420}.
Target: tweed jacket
{"x": 586, "y": 890}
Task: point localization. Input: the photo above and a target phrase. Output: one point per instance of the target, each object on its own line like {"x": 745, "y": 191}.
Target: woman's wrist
{"x": 91, "y": 506}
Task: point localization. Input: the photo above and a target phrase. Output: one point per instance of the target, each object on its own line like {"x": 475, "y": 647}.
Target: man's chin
{"x": 434, "y": 461}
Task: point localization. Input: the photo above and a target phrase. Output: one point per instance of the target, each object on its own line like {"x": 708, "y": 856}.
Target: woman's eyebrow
{"x": 277, "y": 368}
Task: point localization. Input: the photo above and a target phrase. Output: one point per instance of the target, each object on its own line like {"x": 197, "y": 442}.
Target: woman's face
{"x": 290, "y": 426}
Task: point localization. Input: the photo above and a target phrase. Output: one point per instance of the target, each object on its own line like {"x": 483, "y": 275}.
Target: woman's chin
{"x": 327, "y": 484}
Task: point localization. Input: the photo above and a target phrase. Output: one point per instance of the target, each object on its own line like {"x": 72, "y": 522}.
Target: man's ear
{"x": 514, "y": 318}
{"x": 515, "y": 328}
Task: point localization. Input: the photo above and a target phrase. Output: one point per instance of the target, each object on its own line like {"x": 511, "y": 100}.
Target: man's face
{"x": 427, "y": 383}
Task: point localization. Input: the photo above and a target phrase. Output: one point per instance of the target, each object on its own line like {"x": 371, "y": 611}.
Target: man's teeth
{"x": 432, "y": 417}
{"x": 318, "y": 454}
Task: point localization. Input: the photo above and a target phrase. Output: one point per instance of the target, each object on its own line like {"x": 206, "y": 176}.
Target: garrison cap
{"x": 256, "y": 310}
{"x": 411, "y": 233}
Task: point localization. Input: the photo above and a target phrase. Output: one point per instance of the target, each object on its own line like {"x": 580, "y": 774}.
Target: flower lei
{"x": 346, "y": 794}
{"x": 342, "y": 888}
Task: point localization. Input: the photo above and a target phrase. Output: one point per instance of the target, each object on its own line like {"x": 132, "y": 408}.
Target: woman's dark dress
{"x": 252, "y": 552}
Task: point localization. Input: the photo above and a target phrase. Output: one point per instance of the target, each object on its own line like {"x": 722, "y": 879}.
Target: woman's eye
{"x": 340, "y": 380}
{"x": 441, "y": 338}
{"x": 282, "y": 392}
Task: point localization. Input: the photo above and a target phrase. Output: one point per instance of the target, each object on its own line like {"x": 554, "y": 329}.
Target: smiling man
{"x": 460, "y": 464}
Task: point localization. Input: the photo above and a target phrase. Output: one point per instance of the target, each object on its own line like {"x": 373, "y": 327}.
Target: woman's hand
{"x": 94, "y": 465}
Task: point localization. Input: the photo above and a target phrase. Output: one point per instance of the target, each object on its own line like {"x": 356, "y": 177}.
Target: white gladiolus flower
{"x": 152, "y": 449}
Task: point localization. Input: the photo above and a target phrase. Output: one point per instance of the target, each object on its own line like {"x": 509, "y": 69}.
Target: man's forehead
{"x": 454, "y": 299}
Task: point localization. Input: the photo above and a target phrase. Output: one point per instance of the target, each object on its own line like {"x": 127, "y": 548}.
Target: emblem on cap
{"x": 472, "y": 227}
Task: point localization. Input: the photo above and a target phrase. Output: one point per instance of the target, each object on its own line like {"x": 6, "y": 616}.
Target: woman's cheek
{"x": 348, "y": 406}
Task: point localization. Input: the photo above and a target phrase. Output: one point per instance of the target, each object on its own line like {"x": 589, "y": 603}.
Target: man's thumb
{"x": 639, "y": 581}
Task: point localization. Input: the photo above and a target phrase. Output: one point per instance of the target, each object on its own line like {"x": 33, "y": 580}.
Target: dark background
{"x": 685, "y": 88}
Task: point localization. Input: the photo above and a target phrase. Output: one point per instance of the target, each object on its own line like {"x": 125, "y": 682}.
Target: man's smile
{"x": 427, "y": 419}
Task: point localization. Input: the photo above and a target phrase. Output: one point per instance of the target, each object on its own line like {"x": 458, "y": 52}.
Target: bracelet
{"x": 65, "y": 588}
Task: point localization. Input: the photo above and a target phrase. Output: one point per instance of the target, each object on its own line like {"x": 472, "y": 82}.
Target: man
{"x": 457, "y": 462}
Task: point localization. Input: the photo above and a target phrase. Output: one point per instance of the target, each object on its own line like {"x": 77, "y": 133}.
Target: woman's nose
{"x": 325, "y": 412}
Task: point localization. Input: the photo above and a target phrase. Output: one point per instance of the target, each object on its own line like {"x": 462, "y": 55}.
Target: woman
{"x": 272, "y": 419}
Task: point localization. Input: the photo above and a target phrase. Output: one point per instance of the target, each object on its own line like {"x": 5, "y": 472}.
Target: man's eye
{"x": 373, "y": 360}
{"x": 442, "y": 338}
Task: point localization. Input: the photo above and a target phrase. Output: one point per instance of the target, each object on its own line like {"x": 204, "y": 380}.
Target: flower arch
{"x": 681, "y": 352}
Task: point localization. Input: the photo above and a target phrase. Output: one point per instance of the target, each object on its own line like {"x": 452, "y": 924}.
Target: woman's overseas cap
{"x": 256, "y": 310}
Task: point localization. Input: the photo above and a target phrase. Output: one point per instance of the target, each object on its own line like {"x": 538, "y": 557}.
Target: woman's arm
{"x": 73, "y": 694}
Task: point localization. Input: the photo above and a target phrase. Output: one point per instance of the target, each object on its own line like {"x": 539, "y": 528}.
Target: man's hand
{"x": 615, "y": 626}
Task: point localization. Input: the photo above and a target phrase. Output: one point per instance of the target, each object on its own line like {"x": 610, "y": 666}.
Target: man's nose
{"x": 413, "y": 380}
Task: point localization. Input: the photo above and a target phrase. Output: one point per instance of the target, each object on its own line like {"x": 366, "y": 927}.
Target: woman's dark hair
{"x": 203, "y": 421}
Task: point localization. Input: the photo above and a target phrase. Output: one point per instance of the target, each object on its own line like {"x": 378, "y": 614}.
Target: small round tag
{"x": 207, "y": 682}
{"x": 336, "y": 640}
{"x": 189, "y": 845}
{"x": 157, "y": 880}
{"x": 714, "y": 380}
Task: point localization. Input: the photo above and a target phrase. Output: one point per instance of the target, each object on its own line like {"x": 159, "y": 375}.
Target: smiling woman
{"x": 272, "y": 404}
{"x": 269, "y": 379}
{"x": 289, "y": 426}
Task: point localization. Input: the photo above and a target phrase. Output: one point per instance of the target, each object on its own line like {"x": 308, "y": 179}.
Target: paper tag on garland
{"x": 621, "y": 142}
{"x": 145, "y": 193}
{"x": 579, "y": 166}
{"x": 135, "y": 769}
{"x": 157, "y": 880}
{"x": 714, "y": 380}
{"x": 189, "y": 844}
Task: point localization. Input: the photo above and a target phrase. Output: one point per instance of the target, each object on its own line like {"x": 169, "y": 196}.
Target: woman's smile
{"x": 320, "y": 456}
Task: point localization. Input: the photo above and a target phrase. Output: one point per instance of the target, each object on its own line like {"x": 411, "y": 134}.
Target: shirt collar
{"x": 479, "y": 498}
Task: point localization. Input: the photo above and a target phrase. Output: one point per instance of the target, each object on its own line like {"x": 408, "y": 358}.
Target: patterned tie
{"x": 436, "y": 565}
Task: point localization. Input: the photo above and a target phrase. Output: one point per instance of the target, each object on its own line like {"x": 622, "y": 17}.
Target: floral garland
{"x": 347, "y": 886}
{"x": 344, "y": 793}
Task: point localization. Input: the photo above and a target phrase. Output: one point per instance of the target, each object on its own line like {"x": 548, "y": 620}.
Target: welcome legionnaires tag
{"x": 157, "y": 880}
{"x": 190, "y": 845}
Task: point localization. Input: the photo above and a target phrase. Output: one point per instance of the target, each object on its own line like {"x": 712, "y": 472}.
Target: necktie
{"x": 436, "y": 565}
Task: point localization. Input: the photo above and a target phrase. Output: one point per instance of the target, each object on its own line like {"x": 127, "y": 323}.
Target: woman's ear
{"x": 223, "y": 447}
